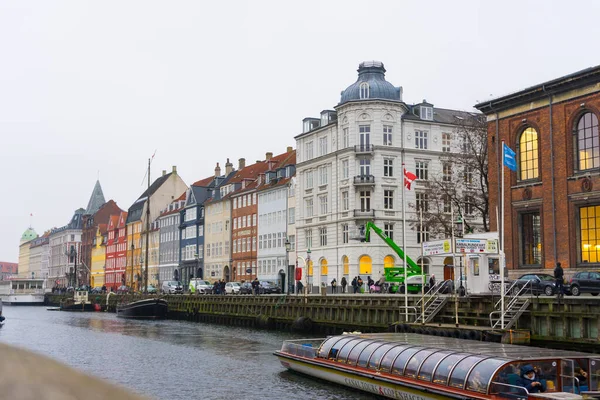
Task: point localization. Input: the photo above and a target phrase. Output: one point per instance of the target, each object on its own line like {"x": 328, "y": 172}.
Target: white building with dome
{"x": 24, "y": 251}
{"x": 349, "y": 171}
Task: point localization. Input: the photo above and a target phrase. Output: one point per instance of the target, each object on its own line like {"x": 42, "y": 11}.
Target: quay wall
{"x": 574, "y": 323}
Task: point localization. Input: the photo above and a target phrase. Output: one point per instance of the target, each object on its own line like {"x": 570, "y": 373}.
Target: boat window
{"x": 365, "y": 355}
{"x": 462, "y": 369}
{"x": 347, "y": 348}
{"x": 378, "y": 354}
{"x": 327, "y": 345}
{"x": 353, "y": 357}
{"x": 403, "y": 358}
{"x": 390, "y": 356}
{"x": 480, "y": 376}
{"x": 440, "y": 375}
{"x": 429, "y": 364}
{"x": 415, "y": 362}
{"x": 337, "y": 346}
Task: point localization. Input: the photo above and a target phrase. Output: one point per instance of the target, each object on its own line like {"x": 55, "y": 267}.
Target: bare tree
{"x": 462, "y": 183}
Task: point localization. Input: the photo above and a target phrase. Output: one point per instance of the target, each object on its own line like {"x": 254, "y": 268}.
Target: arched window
{"x": 310, "y": 268}
{"x": 588, "y": 145}
{"x": 324, "y": 270}
{"x": 364, "y": 90}
{"x": 346, "y": 264}
{"x": 365, "y": 265}
{"x": 388, "y": 262}
{"x": 528, "y": 155}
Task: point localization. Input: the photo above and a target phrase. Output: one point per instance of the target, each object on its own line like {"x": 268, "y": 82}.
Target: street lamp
{"x": 288, "y": 247}
{"x": 308, "y": 265}
{"x": 460, "y": 227}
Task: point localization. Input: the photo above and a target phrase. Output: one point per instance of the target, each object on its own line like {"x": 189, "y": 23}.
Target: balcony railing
{"x": 364, "y": 148}
{"x": 364, "y": 180}
{"x": 359, "y": 213}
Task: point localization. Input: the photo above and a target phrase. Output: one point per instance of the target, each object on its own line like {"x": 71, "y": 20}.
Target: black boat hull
{"x": 76, "y": 307}
{"x": 143, "y": 309}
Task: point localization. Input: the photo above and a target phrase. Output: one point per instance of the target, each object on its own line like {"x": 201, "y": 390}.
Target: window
{"x": 345, "y": 138}
{"x": 292, "y": 239}
{"x": 427, "y": 113}
{"x": 323, "y": 204}
{"x": 388, "y": 229}
{"x": 588, "y": 145}
{"x": 309, "y": 207}
{"x": 528, "y": 155}
{"x": 422, "y": 201}
{"x": 364, "y": 90}
{"x": 323, "y": 146}
{"x": 323, "y": 175}
{"x": 309, "y": 179}
{"x": 421, "y": 140}
{"x": 345, "y": 201}
{"x": 365, "y": 167}
{"x": 387, "y": 135}
{"x": 308, "y": 238}
{"x": 447, "y": 172}
{"x": 388, "y": 199}
{"x": 365, "y": 200}
{"x": 469, "y": 205}
{"x": 422, "y": 169}
{"x": 447, "y": 203}
{"x": 446, "y": 142}
{"x": 323, "y": 236}
{"x": 364, "y": 137}
{"x": 291, "y": 215}
{"x": 531, "y": 234}
{"x": 345, "y": 233}
{"x": 423, "y": 235}
{"x": 345, "y": 169}
{"x": 308, "y": 151}
{"x": 468, "y": 175}
{"x": 388, "y": 167}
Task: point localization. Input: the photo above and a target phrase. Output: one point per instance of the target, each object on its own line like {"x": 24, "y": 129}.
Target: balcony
{"x": 364, "y": 180}
{"x": 364, "y": 213}
{"x": 364, "y": 149}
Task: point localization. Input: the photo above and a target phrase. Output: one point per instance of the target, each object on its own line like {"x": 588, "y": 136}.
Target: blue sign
{"x": 248, "y": 270}
{"x": 510, "y": 158}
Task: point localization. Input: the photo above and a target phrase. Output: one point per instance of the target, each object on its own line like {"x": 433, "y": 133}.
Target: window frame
{"x": 576, "y": 139}
{"x": 534, "y": 155}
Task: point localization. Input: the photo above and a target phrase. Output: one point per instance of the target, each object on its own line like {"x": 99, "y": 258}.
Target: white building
{"x": 349, "y": 168}
{"x": 65, "y": 252}
{"x": 291, "y": 229}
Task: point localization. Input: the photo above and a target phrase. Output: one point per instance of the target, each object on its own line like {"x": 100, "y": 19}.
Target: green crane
{"x": 396, "y": 274}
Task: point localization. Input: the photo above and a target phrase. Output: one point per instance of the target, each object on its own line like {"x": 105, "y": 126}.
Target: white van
{"x": 172, "y": 287}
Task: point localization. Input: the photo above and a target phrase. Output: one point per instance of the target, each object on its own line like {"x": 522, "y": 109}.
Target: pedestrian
{"x": 370, "y": 282}
{"x": 344, "y": 283}
{"x": 359, "y": 282}
{"x": 355, "y": 284}
{"x": 300, "y": 287}
{"x": 559, "y": 276}
{"x": 333, "y": 286}
{"x": 431, "y": 281}
{"x": 256, "y": 286}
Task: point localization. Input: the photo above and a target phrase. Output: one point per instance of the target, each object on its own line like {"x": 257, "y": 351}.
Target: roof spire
{"x": 96, "y": 200}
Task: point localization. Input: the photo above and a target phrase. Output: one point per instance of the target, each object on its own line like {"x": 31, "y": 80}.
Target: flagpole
{"x": 502, "y": 259}
{"x": 404, "y": 241}
{"x": 422, "y": 274}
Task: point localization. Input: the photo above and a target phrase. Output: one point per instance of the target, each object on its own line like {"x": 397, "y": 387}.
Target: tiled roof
{"x": 441, "y": 115}
{"x": 204, "y": 182}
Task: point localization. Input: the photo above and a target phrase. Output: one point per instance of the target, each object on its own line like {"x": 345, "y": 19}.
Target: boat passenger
{"x": 530, "y": 381}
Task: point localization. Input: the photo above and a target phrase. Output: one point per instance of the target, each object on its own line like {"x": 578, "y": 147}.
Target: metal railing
{"x": 514, "y": 294}
{"x": 364, "y": 180}
{"x": 429, "y": 302}
{"x": 364, "y": 148}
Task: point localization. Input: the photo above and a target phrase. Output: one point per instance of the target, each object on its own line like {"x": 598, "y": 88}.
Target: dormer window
{"x": 427, "y": 113}
{"x": 267, "y": 178}
{"x": 364, "y": 90}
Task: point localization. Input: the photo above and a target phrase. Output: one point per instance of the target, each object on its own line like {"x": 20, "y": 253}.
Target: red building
{"x": 8, "y": 270}
{"x": 116, "y": 251}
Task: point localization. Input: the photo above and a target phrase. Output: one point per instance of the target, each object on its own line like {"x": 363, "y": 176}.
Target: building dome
{"x": 371, "y": 84}
{"x": 28, "y": 235}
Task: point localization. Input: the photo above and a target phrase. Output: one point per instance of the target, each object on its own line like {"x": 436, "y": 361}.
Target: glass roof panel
{"x": 365, "y": 355}
{"x": 335, "y": 349}
{"x": 378, "y": 354}
{"x": 402, "y": 359}
{"x": 461, "y": 370}
{"x": 415, "y": 362}
{"x": 327, "y": 345}
{"x": 353, "y": 357}
{"x": 347, "y": 348}
{"x": 440, "y": 375}
{"x": 480, "y": 376}
{"x": 390, "y": 356}
{"x": 427, "y": 368}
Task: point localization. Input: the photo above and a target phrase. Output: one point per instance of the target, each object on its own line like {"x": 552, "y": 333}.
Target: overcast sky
{"x": 90, "y": 88}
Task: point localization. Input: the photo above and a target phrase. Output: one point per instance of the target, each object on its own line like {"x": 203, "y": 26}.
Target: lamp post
{"x": 461, "y": 228}
{"x": 288, "y": 247}
{"x": 73, "y": 255}
{"x": 307, "y": 270}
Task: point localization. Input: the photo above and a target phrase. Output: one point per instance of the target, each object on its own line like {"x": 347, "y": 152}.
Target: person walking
{"x": 334, "y": 286}
{"x": 255, "y": 286}
{"x": 344, "y": 283}
{"x": 355, "y": 284}
{"x": 431, "y": 281}
{"x": 359, "y": 283}
{"x": 559, "y": 275}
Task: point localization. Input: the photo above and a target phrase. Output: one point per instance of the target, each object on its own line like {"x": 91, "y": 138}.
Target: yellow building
{"x": 134, "y": 254}
{"x": 153, "y": 245}
{"x": 98, "y": 257}
{"x": 24, "y": 252}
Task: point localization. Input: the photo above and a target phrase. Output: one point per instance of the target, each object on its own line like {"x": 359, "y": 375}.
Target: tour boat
{"x": 412, "y": 366}
{"x": 22, "y": 291}
{"x": 143, "y": 309}
{"x": 79, "y": 302}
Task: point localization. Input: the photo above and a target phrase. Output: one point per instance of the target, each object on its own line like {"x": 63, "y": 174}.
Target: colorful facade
{"x": 98, "y": 257}
{"x": 116, "y": 251}
{"x": 168, "y": 223}
{"x": 24, "y": 250}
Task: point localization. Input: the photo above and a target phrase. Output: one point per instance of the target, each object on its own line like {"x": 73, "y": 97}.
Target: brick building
{"x": 8, "y": 270}
{"x": 552, "y": 202}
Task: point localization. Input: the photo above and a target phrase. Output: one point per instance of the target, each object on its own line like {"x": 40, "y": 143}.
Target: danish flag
{"x": 409, "y": 177}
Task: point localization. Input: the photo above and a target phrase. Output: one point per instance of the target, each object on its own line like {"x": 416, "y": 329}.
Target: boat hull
{"x": 144, "y": 309}
{"x": 23, "y": 299}
{"x": 77, "y": 307}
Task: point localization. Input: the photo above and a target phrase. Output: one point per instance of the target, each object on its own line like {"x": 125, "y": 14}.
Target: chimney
{"x": 175, "y": 169}
{"x": 164, "y": 172}
{"x": 241, "y": 163}
{"x": 269, "y": 155}
{"x": 228, "y": 167}
{"x": 217, "y": 170}
{"x": 290, "y": 149}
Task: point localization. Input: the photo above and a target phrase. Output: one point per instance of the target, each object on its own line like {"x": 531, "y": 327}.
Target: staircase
{"x": 434, "y": 303}
{"x": 515, "y": 306}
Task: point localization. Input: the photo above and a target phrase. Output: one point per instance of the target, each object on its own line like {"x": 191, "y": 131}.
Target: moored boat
{"x": 79, "y": 302}
{"x": 22, "y": 291}
{"x": 411, "y": 366}
{"x": 144, "y": 309}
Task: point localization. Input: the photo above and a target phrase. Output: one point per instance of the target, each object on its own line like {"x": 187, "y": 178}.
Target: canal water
{"x": 168, "y": 360}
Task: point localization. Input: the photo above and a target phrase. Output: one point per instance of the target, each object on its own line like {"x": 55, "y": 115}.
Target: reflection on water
{"x": 167, "y": 359}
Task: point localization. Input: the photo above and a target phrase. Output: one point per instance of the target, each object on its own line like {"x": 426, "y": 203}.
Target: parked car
{"x": 123, "y": 289}
{"x": 585, "y": 282}
{"x": 267, "y": 287}
{"x": 538, "y": 284}
{"x": 172, "y": 287}
{"x": 200, "y": 285}
{"x": 246, "y": 288}
{"x": 96, "y": 290}
{"x": 232, "y": 287}
{"x": 152, "y": 289}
